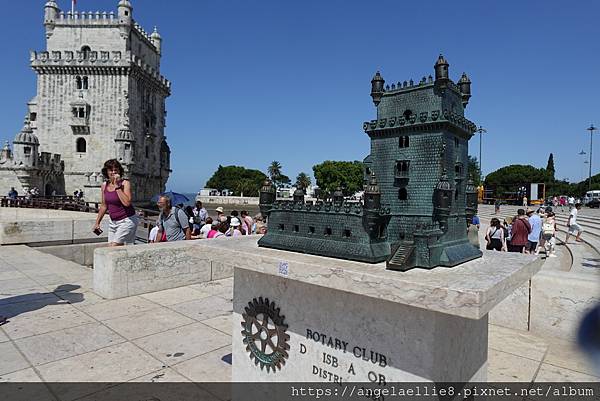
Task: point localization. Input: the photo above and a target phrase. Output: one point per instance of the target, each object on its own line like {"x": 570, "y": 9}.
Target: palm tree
{"x": 274, "y": 170}
{"x": 303, "y": 181}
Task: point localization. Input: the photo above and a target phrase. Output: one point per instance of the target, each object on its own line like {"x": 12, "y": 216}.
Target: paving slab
{"x": 12, "y": 360}
{"x": 119, "y": 307}
{"x": 148, "y": 322}
{"x": 551, "y": 373}
{"x": 25, "y": 295}
{"x": 3, "y": 336}
{"x": 66, "y": 343}
{"x": 27, "y": 325}
{"x": 118, "y": 363}
{"x": 505, "y": 367}
{"x": 9, "y": 274}
{"x": 21, "y": 376}
{"x": 13, "y": 284}
{"x": 222, "y": 323}
{"x": 217, "y": 287}
{"x": 183, "y": 343}
{"x": 167, "y": 375}
{"x": 567, "y": 355}
{"x": 205, "y": 308}
{"x": 175, "y": 295}
{"x": 517, "y": 343}
{"x": 213, "y": 367}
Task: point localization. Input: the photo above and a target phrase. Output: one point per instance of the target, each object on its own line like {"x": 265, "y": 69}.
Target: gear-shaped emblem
{"x": 264, "y": 334}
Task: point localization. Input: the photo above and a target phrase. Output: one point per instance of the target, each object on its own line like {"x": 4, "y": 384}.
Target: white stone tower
{"x": 100, "y": 96}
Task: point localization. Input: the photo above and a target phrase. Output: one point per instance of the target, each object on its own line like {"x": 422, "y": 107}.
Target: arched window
{"x": 85, "y": 83}
{"x": 79, "y": 82}
{"x": 81, "y": 145}
{"x": 402, "y": 194}
{"x": 86, "y": 52}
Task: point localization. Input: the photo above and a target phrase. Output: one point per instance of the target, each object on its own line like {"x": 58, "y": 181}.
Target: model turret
{"x": 372, "y": 194}
{"x": 377, "y": 88}
{"x": 441, "y": 70}
{"x": 464, "y": 84}
{"x": 266, "y": 197}
{"x": 471, "y": 194}
{"x": 338, "y": 197}
{"x": 299, "y": 195}
{"x": 442, "y": 201}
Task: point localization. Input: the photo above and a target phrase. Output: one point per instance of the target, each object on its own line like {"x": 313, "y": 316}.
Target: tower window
{"x": 404, "y": 141}
{"x": 127, "y": 146}
{"x": 402, "y": 194}
{"x": 27, "y": 150}
{"x": 81, "y": 145}
{"x": 85, "y": 83}
{"x": 79, "y": 82}
{"x": 32, "y": 116}
{"x": 86, "y": 52}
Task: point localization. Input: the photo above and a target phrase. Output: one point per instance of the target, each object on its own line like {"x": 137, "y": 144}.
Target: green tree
{"x": 332, "y": 174}
{"x": 510, "y": 178}
{"x": 274, "y": 170}
{"x": 474, "y": 171}
{"x": 550, "y": 166}
{"x": 303, "y": 181}
{"x": 238, "y": 179}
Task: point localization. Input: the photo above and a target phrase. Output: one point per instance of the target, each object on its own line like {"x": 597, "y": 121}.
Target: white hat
{"x": 235, "y": 222}
{"x": 219, "y": 209}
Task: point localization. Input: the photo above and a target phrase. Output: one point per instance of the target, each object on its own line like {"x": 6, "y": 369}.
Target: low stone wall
{"x": 228, "y": 200}
{"x": 133, "y": 270}
{"x": 37, "y": 227}
{"x": 551, "y": 304}
{"x": 82, "y": 254}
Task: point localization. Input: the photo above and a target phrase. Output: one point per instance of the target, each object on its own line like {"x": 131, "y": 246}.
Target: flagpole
{"x": 72, "y": 7}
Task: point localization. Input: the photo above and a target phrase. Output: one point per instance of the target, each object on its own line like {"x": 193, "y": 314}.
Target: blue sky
{"x": 256, "y": 81}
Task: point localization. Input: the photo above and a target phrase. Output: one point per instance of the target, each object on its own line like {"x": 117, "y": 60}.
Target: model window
{"x": 456, "y": 142}
{"x": 311, "y": 230}
{"x": 81, "y": 145}
{"x": 402, "y": 168}
{"x": 404, "y": 141}
{"x": 281, "y": 227}
{"x": 458, "y": 169}
{"x": 328, "y": 231}
{"x": 402, "y": 194}
{"x": 147, "y": 152}
{"x": 296, "y": 228}
{"x": 347, "y": 233}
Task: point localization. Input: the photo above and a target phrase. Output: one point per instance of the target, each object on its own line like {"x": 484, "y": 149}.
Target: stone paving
{"x": 58, "y": 330}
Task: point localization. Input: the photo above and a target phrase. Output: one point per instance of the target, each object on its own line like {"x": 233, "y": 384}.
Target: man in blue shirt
{"x": 536, "y": 229}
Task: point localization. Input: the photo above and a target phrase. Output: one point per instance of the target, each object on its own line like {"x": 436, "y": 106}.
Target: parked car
{"x": 594, "y": 203}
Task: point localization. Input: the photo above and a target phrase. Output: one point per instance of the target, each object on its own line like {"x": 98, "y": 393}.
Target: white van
{"x": 591, "y": 195}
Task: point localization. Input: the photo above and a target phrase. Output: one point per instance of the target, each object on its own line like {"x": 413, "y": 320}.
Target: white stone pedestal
{"x": 356, "y": 322}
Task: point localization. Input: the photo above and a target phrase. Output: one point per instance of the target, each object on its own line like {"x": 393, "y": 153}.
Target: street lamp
{"x": 591, "y": 129}
{"x": 582, "y": 154}
{"x": 481, "y": 131}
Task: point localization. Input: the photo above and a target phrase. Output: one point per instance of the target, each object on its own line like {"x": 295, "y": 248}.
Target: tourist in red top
{"x": 116, "y": 199}
{"x": 520, "y": 230}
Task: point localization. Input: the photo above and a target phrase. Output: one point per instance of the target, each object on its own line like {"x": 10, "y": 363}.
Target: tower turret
{"x": 51, "y": 11}
{"x": 377, "y": 88}
{"x": 125, "y": 145}
{"x": 156, "y": 40}
{"x": 464, "y": 84}
{"x": 441, "y": 69}
{"x": 125, "y": 11}
{"x": 26, "y": 146}
{"x": 5, "y": 154}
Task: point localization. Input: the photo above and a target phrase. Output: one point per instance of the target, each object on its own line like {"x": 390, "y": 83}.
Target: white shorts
{"x": 575, "y": 229}
{"x": 123, "y": 231}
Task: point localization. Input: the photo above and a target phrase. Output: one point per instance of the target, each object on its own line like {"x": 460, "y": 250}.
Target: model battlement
{"x": 425, "y": 117}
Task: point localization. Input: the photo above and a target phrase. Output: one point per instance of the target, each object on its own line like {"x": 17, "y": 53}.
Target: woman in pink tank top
{"x": 116, "y": 200}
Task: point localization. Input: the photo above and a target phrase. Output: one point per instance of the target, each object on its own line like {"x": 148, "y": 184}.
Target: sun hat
{"x": 529, "y": 211}
{"x": 235, "y": 222}
{"x": 219, "y": 209}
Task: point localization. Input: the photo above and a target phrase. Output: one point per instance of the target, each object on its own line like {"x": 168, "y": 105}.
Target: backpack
{"x": 548, "y": 229}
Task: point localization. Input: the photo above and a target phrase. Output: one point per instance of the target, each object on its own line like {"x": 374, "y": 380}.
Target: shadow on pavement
{"x": 14, "y": 306}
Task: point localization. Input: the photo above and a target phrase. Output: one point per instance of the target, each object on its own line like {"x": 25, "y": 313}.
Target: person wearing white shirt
{"x": 574, "y": 228}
